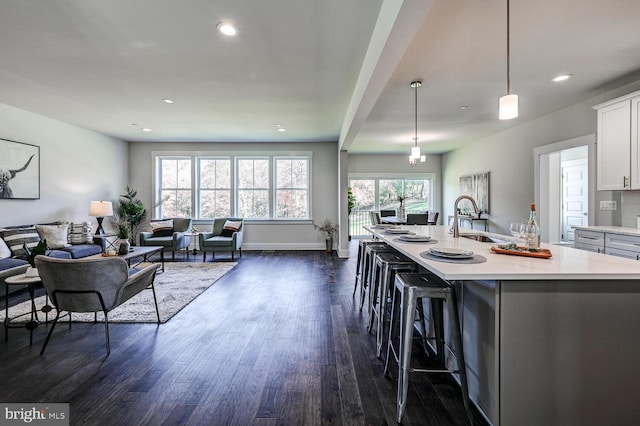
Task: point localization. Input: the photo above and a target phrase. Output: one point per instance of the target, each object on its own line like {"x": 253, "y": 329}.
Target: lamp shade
{"x": 415, "y": 152}
{"x": 100, "y": 208}
{"x": 508, "y": 107}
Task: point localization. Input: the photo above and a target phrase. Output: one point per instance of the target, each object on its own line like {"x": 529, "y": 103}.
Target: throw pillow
{"x": 4, "y": 250}
{"x": 229, "y": 228}
{"x": 80, "y": 233}
{"x": 163, "y": 228}
{"x": 15, "y": 238}
{"x": 56, "y": 235}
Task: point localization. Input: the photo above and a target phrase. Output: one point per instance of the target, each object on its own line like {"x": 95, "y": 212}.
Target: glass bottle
{"x": 533, "y": 230}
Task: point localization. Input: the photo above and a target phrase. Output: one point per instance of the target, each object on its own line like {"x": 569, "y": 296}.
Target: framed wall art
{"x": 19, "y": 170}
{"x": 477, "y": 186}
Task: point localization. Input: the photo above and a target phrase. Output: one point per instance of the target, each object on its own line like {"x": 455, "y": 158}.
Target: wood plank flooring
{"x": 277, "y": 341}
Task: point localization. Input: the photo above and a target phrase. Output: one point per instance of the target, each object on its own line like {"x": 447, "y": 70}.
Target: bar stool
{"x": 369, "y": 276}
{"x": 360, "y": 260}
{"x": 388, "y": 264}
{"x": 409, "y": 290}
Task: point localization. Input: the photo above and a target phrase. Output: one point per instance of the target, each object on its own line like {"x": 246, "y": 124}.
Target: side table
{"x": 194, "y": 236}
{"x": 28, "y": 281}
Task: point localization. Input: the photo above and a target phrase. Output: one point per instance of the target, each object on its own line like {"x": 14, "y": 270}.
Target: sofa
{"x": 226, "y": 236}
{"x": 168, "y": 233}
{"x": 64, "y": 241}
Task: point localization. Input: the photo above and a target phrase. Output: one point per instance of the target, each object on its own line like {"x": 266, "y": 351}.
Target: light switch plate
{"x": 608, "y": 205}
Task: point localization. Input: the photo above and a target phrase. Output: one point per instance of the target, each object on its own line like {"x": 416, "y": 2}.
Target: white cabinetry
{"x": 589, "y": 240}
{"x": 618, "y": 160}
{"x": 622, "y": 245}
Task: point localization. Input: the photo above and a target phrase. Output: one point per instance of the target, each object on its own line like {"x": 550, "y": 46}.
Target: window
{"x": 253, "y": 188}
{"x": 292, "y": 187}
{"x": 175, "y": 187}
{"x": 249, "y": 186}
{"x": 214, "y": 194}
{"x": 381, "y": 193}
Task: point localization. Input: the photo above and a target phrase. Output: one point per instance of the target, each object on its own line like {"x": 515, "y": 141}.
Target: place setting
{"x": 415, "y": 238}
{"x": 452, "y": 255}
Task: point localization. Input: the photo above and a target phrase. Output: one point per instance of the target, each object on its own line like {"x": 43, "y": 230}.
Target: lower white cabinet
{"x": 589, "y": 240}
{"x": 614, "y": 244}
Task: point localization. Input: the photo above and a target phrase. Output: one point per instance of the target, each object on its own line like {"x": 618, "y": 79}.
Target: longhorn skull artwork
{"x": 6, "y": 175}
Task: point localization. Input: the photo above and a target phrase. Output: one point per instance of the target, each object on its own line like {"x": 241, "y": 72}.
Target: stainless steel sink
{"x": 484, "y": 238}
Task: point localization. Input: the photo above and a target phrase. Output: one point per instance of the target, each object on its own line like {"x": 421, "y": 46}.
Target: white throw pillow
{"x": 230, "y": 227}
{"x": 162, "y": 228}
{"x": 5, "y": 252}
{"x": 56, "y": 235}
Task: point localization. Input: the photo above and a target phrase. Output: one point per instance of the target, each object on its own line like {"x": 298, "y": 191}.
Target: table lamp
{"x": 100, "y": 209}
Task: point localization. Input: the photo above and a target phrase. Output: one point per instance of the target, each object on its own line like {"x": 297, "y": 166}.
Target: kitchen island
{"x": 547, "y": 341}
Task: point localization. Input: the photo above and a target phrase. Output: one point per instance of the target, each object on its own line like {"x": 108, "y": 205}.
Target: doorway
{"x": 564, "y": 184}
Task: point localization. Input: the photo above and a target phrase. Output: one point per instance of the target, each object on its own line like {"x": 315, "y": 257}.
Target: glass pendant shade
{"x": 508, "y": 107}
{"x": 415, "y": 152}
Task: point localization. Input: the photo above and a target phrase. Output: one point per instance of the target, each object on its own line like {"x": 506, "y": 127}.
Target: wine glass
{"x": 527, "y": 232}
{"x": 516, "y": 230}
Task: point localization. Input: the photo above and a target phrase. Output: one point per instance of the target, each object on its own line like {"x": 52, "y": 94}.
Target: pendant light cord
{"x": 415, "y": 138}
{"x": 508, "y": 51}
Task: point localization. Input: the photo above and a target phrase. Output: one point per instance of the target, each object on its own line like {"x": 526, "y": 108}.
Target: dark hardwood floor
{"x": 277, "y": 341}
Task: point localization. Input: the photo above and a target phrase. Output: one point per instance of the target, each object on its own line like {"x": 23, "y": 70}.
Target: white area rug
{"x": 180, "y": 284}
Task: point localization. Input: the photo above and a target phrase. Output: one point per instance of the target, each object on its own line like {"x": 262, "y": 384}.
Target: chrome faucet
{"x": 456, "y": 228}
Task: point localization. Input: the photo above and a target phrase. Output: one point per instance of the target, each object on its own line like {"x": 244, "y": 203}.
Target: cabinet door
{"x": 635, "y": 142}
{"x": 614, "y": 146}
{"x": 622, "y": 253}
{"x": 594, "y": 239}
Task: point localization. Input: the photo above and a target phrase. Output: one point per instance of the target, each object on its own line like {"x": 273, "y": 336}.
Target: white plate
{"x": 451, "y": 252}
{"x": 384, "y": 226}
{"x": 415, "y": 238}
{"x": 399, "y": 231}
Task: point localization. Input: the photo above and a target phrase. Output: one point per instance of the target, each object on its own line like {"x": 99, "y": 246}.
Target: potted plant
{"x": 31, "y": 253}
{"x": 131, "y": 211}
{"x": 351, "y": 203}
{"x": 124, "y": 234}
{"x": 328, "y": 229}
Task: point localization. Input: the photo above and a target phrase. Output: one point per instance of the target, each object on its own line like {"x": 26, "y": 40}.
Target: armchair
{"x": 171, "y": 238}
{"x": 225, "y": 236}
{"x": 92, "y": 285}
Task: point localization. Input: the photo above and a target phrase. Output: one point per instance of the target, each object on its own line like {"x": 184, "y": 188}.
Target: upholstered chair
{"x": 92, "y": 285}
{"x": 169, "y": 233}
{"x": 432, "y": 217}
{"x": 226, "y": 235}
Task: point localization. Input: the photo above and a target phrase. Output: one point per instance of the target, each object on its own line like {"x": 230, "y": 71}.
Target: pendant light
{"x": 509, "y": 102}
{"x": 416, "y": 156}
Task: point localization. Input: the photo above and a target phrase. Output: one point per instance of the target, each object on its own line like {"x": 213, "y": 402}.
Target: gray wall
{"x": 508, "y": 156}
{"x": 258, "y": 235}
{"x": 76, "y": 166}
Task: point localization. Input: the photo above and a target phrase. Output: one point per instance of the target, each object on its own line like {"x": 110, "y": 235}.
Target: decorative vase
{"x": 329, "y": 244}
{"x": 401, "y": 212}
{"x": 125, "y": 245}
{"x": 32, "y": 272}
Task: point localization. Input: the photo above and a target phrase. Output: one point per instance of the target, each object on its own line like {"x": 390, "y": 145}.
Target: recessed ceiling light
{"x": 464, "y": 106}
{"x": 280, "y": 128}
{"x": 146, "y": 129}
{"x": 227, "y": 29}
{"x": 167, "y": 101}
{"x": 562, "y": 77}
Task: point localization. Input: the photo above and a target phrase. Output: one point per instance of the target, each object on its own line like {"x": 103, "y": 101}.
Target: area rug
{"x": 176, "y": 287}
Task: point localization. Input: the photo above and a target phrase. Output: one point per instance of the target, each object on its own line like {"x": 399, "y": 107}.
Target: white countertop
{"x": 566, "y": 263}
{"x": 622, "y": 230}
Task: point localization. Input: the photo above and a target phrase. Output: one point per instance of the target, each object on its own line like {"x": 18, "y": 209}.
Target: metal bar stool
{"x": 409, "y": 290}
{"x": 369, "y": 276}
{"x": 360, "y": 260}
{"x": 388, "y": 264}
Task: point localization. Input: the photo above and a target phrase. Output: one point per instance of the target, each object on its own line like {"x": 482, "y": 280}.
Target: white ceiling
{"x": 325, "y": 70}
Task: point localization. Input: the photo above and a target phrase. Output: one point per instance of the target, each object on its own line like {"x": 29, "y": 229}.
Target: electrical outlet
{"x": 608, "y": 205}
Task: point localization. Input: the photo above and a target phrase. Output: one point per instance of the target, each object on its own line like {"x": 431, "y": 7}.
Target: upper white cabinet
{"x": 618, "y": 152}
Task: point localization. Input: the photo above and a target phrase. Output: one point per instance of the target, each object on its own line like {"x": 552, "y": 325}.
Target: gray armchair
{"x": 220, "y": 239}
{"x": 174, "y": 240}
{"x": 92, "y": 285}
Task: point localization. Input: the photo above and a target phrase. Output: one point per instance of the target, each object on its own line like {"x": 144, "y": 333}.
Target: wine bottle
{"x": 533, "y": 230}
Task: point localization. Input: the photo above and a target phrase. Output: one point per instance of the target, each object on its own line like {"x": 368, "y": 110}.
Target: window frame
{"x": 196, "y": 156}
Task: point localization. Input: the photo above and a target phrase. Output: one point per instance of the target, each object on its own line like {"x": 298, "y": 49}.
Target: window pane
{"x": 389, "y": 192}
{"x": 253, "y": 203}
{"x": 175, "y": 188}
{"x": 215, "y": 190}
{"x": 292, "y": 204}
{"x": 364, "y": 191}
{"x": 292, "y": 198}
